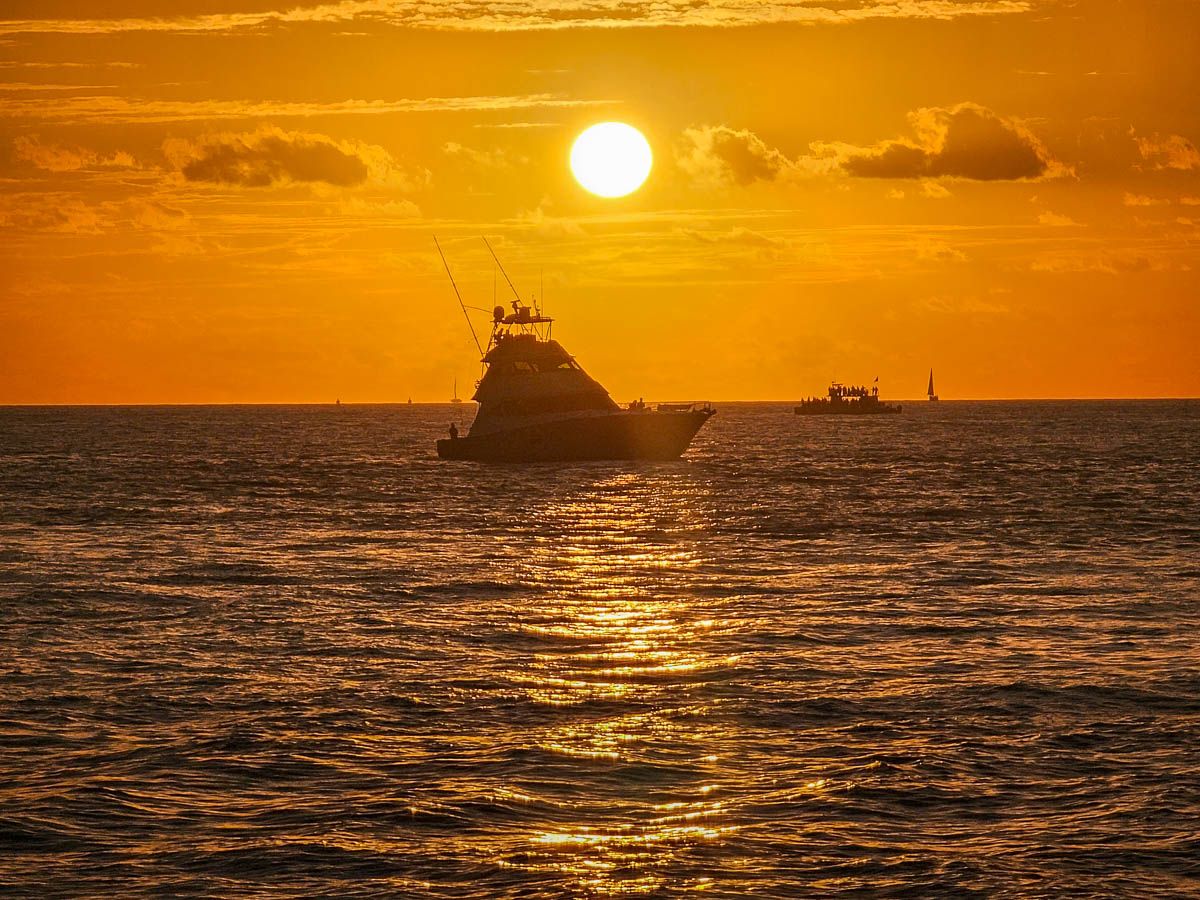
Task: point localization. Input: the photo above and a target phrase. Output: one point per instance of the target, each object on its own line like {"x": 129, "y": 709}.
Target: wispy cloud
{"x": 529, "y": 15}
{"x": 51, "y": 64}
{"x": 1171, "y": 151}
{"x": 67, "y": 213}
{"x": 1056, "y": 220}
{"x": 52, "y": 157}
{"x": 125, "y": 110}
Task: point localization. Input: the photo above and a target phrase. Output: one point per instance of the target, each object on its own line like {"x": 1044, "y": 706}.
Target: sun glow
{"x": 611, "y": 159}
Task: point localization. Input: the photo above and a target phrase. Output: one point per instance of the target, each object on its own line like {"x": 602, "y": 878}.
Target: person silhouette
{"x": 453, "y": 432}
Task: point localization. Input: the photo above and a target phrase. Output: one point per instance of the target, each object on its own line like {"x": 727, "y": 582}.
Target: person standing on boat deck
{"x": 453, "y": 432}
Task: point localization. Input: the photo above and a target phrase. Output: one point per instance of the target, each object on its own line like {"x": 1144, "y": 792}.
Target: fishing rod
{"x": 502, "y": 272}
{"x": 474, "y": 336}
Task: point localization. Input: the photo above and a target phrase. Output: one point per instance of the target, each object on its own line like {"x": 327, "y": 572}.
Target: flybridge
{"x": 522, "y": 320}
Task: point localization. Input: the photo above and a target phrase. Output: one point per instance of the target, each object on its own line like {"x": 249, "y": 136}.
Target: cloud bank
{"x": 965, "y": 141}
{"x": 272, "y": 156}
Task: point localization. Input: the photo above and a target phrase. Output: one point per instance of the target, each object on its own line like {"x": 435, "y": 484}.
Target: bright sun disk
{"x": 611, "y": 159}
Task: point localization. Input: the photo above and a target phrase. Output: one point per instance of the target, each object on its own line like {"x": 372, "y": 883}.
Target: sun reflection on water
{"x": 625, "y": 656}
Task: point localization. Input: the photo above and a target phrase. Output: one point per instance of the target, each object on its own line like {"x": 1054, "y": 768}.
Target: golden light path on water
{"x": 621, "y": 635}
{"x": 291, "y": 650}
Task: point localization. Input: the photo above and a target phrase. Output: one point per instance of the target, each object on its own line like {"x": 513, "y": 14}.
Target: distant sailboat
{"x": 932, "y": 395}
{"x": 456, "y": 398}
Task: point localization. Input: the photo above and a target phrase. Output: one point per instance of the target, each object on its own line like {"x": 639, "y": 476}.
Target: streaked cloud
{"x": 1131, "y": 199}
{"x": 539, "y": 15}
{"x": 496, "y": 158}
{"x": 67, "y": 213}
{"x": 65, "y": 158}
{"x": 118, "y": 110}
{"x": 49, "y": 211}
{"x": 1109, "y": 263}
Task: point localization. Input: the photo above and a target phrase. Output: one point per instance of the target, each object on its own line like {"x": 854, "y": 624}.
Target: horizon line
{"x": 921, "y": 400}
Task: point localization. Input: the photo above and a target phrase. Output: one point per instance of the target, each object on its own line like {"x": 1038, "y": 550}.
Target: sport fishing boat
{"x": 536, "y": 403}
{"x": 844, "y": 400}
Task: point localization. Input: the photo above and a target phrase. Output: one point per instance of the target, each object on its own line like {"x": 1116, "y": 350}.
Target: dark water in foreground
{"x": 287, "y": 652}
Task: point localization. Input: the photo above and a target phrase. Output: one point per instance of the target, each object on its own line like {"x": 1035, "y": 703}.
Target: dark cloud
{"x": 720, "y": 153}
{"x": 272, "y": 156}
{"x": 965, "y": 141}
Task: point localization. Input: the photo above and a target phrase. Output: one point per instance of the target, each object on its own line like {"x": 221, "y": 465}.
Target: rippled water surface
{"x": 286, "y": 651}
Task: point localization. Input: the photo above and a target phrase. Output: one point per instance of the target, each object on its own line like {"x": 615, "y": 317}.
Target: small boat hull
{"x": 642, "y": 434}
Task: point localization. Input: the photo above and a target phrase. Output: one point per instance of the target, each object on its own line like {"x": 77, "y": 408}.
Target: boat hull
{"x": 619, "y": 435}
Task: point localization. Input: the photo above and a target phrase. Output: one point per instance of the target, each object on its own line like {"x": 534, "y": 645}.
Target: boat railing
{"x": 670, "y": 406}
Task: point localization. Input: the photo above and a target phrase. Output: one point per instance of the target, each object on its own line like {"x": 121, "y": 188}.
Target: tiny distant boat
{"x": 456, "y": 398}
{"x": 536, "y": 403}
{"x": 844, "y": 400}
{"x": 932, "y": 396}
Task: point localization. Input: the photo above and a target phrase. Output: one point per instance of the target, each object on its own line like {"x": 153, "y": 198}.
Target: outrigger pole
{"x": 502, "y": 272}
{"x": 474, "y": 336}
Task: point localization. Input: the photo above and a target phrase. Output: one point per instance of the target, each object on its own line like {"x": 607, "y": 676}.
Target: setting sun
{"x": 611, "y": 159}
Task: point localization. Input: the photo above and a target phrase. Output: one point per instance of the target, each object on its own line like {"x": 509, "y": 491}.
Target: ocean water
{"x": 287, "y": 652}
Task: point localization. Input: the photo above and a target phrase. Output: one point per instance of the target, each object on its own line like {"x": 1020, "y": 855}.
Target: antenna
{"x": 502, "y": 272}
{"x": 458, "y": 295}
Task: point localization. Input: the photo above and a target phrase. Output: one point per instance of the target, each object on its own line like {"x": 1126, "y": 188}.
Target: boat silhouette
{"x": 536, "y": 403}
{"x": 846, "y": 400}
{"x": 932, "y": 395}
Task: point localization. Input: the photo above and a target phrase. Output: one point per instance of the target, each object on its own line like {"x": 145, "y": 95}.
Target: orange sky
{"x": 234, "y": 200}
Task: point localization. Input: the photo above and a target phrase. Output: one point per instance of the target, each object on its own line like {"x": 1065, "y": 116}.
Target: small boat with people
{"x": 536, "y": 403}
{"x": 847, "y": 400}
